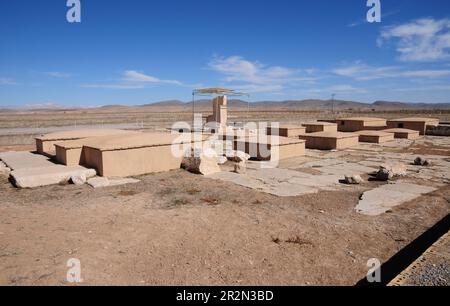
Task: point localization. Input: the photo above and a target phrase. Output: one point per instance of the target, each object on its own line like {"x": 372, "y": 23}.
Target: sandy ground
{"x": 180, "y": 229}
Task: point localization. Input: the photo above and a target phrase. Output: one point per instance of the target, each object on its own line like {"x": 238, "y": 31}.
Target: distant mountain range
{"x": 298, "y": 105}
{"x": 240, "y": 105}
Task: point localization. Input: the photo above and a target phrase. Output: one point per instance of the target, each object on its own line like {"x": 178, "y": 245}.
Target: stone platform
{"x": 131, "y": 155}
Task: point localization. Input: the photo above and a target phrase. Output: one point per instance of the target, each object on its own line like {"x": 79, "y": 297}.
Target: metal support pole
{"x": 193, "y": 112}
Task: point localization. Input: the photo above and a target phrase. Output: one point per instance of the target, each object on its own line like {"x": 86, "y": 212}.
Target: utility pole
{"x": 332, "y": 102}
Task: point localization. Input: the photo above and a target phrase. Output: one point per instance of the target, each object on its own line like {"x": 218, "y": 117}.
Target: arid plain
{"x": 178, "y": 228}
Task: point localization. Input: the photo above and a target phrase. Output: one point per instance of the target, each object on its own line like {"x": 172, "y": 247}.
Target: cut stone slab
{"x": 281, "y": 182}
{"x": 49, "y": 175}
{"x": 31, "y": 170}
{"x": 100, "y": 182}
{"x": 24, "y": 160}
{"x": 378, "y": 201}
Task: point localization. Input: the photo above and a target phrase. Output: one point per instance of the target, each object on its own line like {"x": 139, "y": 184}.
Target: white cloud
{"x": 135, "y": 76}
{"x": 432, "y": 88}
{"x": 427, "y": 73}
{"x": 132, "y": 79}
{"x": 425, "y": 39}
{"x": 7, "y": 81}
{"x": 255, "y": 77}
{"x": 60, "y": 75}
{"x": 339, "y": 89}
{"x": 113, "y": 86}
{"x": 363, "y": 72}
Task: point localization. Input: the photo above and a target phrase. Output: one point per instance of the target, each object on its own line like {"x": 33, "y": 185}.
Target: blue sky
{"x": 142, "y": 51}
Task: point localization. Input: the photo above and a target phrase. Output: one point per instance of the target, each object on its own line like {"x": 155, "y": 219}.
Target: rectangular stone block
{"x": 124, "y": 156}
{"x": 330, "y": 141}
